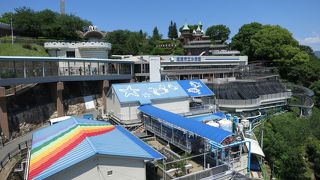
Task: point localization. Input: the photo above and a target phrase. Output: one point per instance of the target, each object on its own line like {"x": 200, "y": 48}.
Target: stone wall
{"x": 31, "y": 119}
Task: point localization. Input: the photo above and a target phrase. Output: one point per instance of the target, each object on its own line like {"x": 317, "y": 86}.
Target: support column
{"x": 105, "y": 85}
{"x": 4, "y": 123}
{"x": 60, "y": 108}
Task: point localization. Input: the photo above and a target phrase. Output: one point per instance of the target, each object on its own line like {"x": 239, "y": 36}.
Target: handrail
{"x": 253, "y": 102}
{"x": 15, "y": 151}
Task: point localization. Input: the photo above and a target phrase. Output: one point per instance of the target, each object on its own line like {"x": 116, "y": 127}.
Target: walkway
{"x": 29, "y": 70}
{"x": 12, "y": 145}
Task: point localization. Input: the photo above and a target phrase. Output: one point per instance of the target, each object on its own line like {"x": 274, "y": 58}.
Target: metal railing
{"x": 17, "y": 88}
{"x": 17, "y": 150}
{"x": 28, "y": 70}
{"x": 253, "y": 102}
{"x": 205, "y": 173}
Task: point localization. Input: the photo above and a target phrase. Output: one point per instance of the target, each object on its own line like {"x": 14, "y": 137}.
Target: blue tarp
{"x": 195, "y": 88}
{"x": 209, "y": 132}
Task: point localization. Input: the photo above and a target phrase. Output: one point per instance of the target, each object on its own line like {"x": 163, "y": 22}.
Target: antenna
{"x": 62, "y": 8}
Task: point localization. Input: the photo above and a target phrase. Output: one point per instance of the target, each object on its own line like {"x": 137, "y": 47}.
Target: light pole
{"x": 11, "y": 30}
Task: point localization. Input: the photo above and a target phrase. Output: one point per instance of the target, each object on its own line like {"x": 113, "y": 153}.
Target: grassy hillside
{"x": 7, "y": 49}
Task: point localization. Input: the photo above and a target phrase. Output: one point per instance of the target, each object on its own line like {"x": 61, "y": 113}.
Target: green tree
{"x": 118, "y": 39}
{"x": 170, "y": 31}
{"x": 218, "y": 33}
{"x": 241, "y": 41}
{"x": 45, "y": 23}
{"x": 268, "y": 42}
{"x": 132, "y": 44}
{"x": 26, "y": 22}
{"x": 47, "y": 19}
{"x": 316, "y": 88}
{"x": 174, "y": 31}
{"x": 155, "y": 34}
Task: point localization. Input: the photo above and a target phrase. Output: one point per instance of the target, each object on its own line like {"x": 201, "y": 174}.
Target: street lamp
{"x": 11, "y": 30}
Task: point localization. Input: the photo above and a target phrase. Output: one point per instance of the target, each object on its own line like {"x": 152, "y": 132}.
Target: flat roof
{"x": 213, "y": 116}
{"x": 57, "y": 59}
{"x": 203, "y": 130}
{"x": 144, "y": 93}
{"x": 66, "y": 143}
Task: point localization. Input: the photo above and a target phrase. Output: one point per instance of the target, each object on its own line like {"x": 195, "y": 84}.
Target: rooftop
{"x": 64, "y": 144}
{"x": 144, "y": 93}
{"x": 210, "y": 133}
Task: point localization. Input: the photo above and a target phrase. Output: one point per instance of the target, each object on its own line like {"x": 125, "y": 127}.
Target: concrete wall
{"x": 93, "y": 53}
{"x": 98, "y": 167}
{"x": 113, "y": 105}
{"x": 129, "y": 111}
{"x": 33, "y": 118}
{"x": 81, "y": 49}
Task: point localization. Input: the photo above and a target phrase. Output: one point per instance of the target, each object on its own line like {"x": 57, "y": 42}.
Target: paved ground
{"x": 10, "y": 146}
{"x": 5, "y": 172}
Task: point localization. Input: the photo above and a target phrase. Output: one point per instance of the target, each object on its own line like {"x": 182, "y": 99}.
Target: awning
{"x": 255, "y": 147}
{"x": 200, "y": 129}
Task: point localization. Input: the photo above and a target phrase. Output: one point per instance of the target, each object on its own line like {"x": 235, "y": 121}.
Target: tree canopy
{"x": 172, "y": 31}
{"x": 155, "y": 34}
{"x": 268, "y": 42}
{"x": 241, "y": 41}
{"x": 218, "y": 33}
{"x": 292, "y": 145}
{"x": 45, "y": 23}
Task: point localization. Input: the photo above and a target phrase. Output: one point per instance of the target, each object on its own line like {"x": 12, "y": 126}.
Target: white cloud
{"x": 312, "y": 40}
{"x": 315, "y": 39}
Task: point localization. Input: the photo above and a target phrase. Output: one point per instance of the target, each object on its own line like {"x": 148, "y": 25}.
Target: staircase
{"x": 18, "y": 89}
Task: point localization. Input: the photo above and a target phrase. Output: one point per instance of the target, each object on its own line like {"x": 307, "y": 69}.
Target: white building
{"x": 88, "y": 149}
{"x": 93, "y": 48}
{"x": 123, "y": 100}
{"x": 206, "y": 68}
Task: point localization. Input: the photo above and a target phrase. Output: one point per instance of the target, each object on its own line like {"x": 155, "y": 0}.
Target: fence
{"x": 14, "y": 152}
{"x": 205, "y": 173}
{"x": 253, "y": 102}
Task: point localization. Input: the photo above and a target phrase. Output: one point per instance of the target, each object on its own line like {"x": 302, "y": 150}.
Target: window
{"x": 109, "y": 173}
{"x": 71, "y": 54}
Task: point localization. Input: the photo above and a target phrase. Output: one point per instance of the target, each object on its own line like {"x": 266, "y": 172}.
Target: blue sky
{"x": 301, "y": 17}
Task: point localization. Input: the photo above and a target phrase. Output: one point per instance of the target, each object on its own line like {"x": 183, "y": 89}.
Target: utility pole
{"x": 11, "y": 30}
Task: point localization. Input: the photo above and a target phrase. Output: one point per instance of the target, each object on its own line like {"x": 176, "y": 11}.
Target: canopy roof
{"x": 203, "y": 130}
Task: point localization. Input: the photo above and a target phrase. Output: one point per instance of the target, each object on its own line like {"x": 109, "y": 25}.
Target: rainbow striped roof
{"x": 64, "y": 144}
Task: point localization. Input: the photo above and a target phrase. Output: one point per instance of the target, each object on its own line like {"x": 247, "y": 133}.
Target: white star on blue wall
{"x": 130, "y": 92}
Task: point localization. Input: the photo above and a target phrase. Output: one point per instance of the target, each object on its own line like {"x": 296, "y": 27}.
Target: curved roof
{"x": 93, "y": 34}
{"x": 200, "y": 129}
{"x": 185, "y": 27}
{"x": 66, "y": 143}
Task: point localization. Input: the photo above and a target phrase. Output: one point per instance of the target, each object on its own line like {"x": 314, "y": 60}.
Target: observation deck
{"x": 16, "y": 70}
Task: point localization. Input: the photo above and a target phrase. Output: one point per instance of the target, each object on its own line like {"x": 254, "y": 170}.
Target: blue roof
{"x": 144, "y": 93}
{"x": 217, "y": 115}
{"x": 209, "y": 132}
{"x": 195, "y": 88}
{"x": 118, "y": 142}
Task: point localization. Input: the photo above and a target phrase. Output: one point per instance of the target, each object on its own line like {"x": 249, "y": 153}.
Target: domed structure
{"x": 93, "y": 34}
